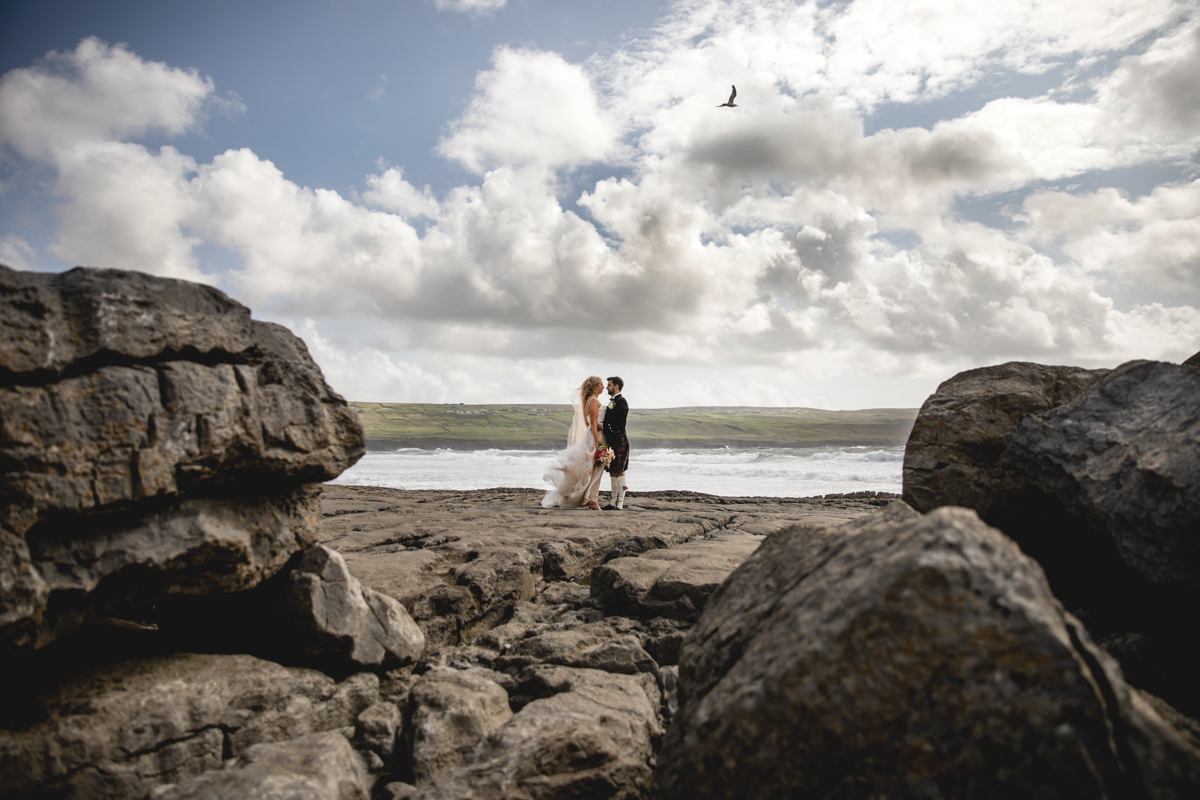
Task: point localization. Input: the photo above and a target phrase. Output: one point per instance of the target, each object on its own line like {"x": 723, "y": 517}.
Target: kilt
{"x": 620, "y": 447}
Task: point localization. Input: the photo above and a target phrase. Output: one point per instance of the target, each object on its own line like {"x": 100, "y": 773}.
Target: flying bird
{"x": 730, "y": 103}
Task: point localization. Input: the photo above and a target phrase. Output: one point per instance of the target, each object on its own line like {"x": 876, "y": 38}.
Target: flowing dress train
{"x": 573, "y": 475}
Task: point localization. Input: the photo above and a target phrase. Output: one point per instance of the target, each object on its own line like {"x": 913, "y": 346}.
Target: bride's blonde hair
{"x": 589, "y": 387}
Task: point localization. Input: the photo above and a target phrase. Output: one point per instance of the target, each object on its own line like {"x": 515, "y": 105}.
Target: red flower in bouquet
{"x": 604, "y": 454}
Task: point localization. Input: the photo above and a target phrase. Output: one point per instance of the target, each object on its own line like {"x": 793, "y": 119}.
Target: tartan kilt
{"x": 620, "y": 462}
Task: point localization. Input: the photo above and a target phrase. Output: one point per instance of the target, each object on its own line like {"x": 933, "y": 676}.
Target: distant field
{"x": 474, "y": 427}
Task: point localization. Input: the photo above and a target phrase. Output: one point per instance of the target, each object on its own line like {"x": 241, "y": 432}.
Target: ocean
{"x": 757, "y": 472}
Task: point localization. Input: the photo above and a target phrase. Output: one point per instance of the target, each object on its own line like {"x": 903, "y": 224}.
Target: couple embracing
{"x": 595, "y": 443}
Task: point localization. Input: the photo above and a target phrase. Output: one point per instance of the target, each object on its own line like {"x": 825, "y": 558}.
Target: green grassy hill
{"x": 470, "y": 427}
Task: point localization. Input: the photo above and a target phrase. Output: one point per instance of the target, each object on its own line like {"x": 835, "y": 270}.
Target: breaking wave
{"x": 762, "y": 472}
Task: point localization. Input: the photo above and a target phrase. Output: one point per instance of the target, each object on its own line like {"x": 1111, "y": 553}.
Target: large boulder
{"x": 119, "y": 730}
{"x": 1123, "y": 461}
{"x": 1094, "y": 474}
{"x": 148, "y": 426}
{"x": 1112, "y": 510}
{"x": 907, "y": 656}
{"x": 954, "y": 454}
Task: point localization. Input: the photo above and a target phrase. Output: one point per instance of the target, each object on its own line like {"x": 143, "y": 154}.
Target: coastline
{"x": 468, "y": 445}
{"x": 394, "y": 426}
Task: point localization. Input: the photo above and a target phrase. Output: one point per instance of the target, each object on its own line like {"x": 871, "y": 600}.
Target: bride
{"x": 574, "y": 475}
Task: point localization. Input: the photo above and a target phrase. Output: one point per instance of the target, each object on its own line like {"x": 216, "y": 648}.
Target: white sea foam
{"x": 765, "y": 472}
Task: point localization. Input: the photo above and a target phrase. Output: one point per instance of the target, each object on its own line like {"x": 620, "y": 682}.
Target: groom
{"x": 614, "y": 434}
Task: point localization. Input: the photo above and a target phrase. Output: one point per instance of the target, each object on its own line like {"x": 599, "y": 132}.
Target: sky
{"x": 486, "y": 201}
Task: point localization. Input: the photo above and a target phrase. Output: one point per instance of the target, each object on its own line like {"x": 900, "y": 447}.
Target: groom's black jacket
{"x": 614, "y": 419}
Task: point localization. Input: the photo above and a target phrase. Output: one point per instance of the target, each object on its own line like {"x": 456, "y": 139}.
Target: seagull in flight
{"x": 729, "y": 103}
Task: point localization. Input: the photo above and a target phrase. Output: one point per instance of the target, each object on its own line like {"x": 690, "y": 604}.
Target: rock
{"x": 588, "y": 734}
{"x": 563, "y": 593}
{"x": 127, "y": 563}
{"x": 49, "y": 322}
{"x": 668, "y": 684}
{"x": 954, "y": 453}
{"x": 582, "y": 637}
{"x": 319, "y": 766}
{"x": 110, "y": 437}
{"x": 1194, "y": 361}
{"x": 1111, "y": 511}
{"x": 377, "y": 729}
{"x": 452, "y": 711}
{"x": 676, "y": 582}
{"x": 611, "y": 645}
{"x": 119, "y": 730}
{"x": 23, "y": 591}
{"x": 336, "y": 615}
{"x": 1095, "y": 475}
{"x": 399, "y": 790}
{"x": 1123, "y": 460}
{"x": 150, "y": 424}
{"x": 907, "y": 656}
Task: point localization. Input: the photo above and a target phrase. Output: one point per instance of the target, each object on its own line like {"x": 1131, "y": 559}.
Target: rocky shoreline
{"x": 186, "y": 612}
{"x": 480, "y": 552}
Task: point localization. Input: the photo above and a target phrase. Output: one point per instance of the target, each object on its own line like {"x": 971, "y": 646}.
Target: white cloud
{"x": 95, "y": 93}
{"x": 302, "y": 247}
{"x": 921, "y": 49}
{"x": 16, "y": 253}
{"x": 391, "y": 192}
{"x": 776, "y": 246}
{"x": 470, "y": 6}
{"x": 1162, "y": 86}
{"x": 1155, "y": 238}
{"x": 369, "y": 374}
{"x": 127, "y": 209}
{"x": 532, "y": 108}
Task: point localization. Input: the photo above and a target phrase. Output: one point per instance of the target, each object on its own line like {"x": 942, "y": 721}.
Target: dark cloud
{"x": 956, "y": 156}
{"x": 1166, "y": 87}
{"x": 811, "y": 145}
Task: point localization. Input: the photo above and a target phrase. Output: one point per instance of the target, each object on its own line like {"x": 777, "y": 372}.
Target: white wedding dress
{"x": 573, "y": 474}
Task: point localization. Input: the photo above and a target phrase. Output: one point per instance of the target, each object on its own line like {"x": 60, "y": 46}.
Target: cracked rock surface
{"x": 319, "y": 766}
{"x": 121, "y": 729}
{"x": 538, "y": 682}
{"x": 461, "y": 561}
{"x": 452, "y": 710}
{"x": 155, "y": 439}
{"x": 584, "y": 733}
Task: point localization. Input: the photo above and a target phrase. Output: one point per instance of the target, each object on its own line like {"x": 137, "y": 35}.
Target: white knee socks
{"x": 619, "y": 491}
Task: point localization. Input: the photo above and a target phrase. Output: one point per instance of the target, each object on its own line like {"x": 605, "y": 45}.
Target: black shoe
{"x": 610, "y": 507}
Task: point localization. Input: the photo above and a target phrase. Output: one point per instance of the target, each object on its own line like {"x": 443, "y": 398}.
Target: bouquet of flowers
{"x": 604, "y": 454}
